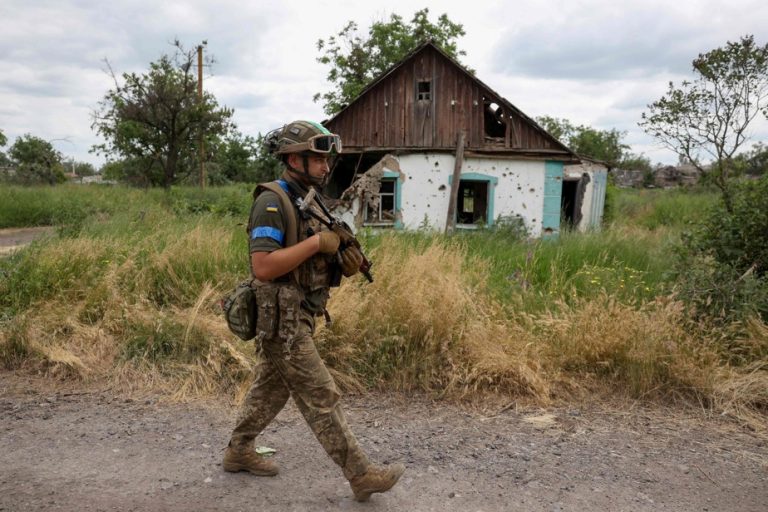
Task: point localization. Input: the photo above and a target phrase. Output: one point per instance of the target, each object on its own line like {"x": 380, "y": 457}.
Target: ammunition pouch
{"x": 264, "y": 311}
{"x": 240, "y": 311}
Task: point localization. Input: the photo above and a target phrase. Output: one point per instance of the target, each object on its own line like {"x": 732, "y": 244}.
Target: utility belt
{"x": 265, "y": 311}
{"x": 278, "y": 311}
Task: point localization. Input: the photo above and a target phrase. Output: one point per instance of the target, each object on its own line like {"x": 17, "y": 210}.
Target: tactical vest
{"x": 313, "y": 276}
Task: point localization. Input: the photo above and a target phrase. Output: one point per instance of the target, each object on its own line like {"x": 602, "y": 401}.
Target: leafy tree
{"x": 132, "y": 171}
{"x": 634, "y": 162}
{"x": 711, "y": 114}
{"x": 36, "y": 161}
{"x": 356, "y": 60}
{"x": 603, "y": 145}
{"x": 753, "y": 162}
{"x": 739, "y": 237}
{"x": 155, "y": 119}
{"x": 242, "y": 158}
{"x": 4, "y": 161}
{"x": 722, "y": 268}
{"x": 559, "y": 128}
{"x": 84, "y": 169}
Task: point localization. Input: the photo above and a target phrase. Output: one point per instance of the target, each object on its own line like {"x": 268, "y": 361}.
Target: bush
{"x": 738, "y": 238}
{"x": 719, "y": 294}
{"x": 721, "y": 267}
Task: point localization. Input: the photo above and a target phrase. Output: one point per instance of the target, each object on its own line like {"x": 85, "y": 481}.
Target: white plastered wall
{"x": 426, "y": 189}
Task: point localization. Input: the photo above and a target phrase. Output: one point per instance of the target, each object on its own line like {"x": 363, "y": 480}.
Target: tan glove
{"x": 345, "y": 235}
{"x": 329, "y": 242}
{"x": 351, "y": 259}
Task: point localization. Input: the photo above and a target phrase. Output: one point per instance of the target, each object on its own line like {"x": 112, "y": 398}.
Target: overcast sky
{"x": 593, "y": 62}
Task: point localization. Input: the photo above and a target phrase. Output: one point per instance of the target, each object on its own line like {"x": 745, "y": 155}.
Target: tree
{"x": 155, "y": 119}
{"x": 4, "y": 161}
{"x": 84, "y": 169}
{"x": 132, "y": 171}
{"x": 711, "y": 114}
{"x": 36, "y": 161}
{"x": 561, "y": 129}
{"x": 355, "y": 60}
{"x": 242, "y": 158}
{"x": 753, "y": 162}
{"x": 635, "y": 162}
{"x": 605, "y": 145}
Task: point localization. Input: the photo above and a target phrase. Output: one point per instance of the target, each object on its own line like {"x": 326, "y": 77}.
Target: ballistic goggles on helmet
{"x": 317, "y": 144}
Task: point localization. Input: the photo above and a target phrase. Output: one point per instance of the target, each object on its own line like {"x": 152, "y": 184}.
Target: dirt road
{"x": 81, "y": 451}
{"x": 15, "y": 238}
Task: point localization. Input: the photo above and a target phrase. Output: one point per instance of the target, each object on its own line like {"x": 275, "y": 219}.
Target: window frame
{"x": 396, "y": 194}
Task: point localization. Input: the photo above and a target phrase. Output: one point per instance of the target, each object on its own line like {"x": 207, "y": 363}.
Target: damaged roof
{"x": 386, "y": 115}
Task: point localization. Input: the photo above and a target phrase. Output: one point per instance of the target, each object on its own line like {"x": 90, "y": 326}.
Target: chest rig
{"x": 316, "y": 273}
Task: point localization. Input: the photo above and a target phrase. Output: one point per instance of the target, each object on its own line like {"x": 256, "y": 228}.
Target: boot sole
{"x": 365, "y": 494}
{"x": 234, "y": 468}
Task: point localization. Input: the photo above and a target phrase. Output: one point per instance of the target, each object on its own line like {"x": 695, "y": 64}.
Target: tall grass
{"x": 73, "y": 205}
{"x": 132, "y": 298}
{"x": 656, "y": 208}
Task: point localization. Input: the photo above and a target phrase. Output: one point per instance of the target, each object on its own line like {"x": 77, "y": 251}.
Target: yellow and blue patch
{"x": 272, "y": 208}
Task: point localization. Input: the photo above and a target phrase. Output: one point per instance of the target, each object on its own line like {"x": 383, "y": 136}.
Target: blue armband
{"x": 268, "y": 232}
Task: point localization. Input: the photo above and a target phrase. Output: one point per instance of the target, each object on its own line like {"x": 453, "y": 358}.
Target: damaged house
{"x": 427, "y": 144}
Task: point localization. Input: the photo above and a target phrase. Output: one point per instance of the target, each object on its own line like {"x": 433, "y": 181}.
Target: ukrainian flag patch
{"x": 272, "y": 208}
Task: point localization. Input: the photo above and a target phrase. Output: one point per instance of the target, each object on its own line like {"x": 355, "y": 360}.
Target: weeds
{"x": 130, "y": 296}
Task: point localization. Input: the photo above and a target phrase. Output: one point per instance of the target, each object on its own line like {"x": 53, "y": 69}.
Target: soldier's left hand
{"x": 351, "y": 259}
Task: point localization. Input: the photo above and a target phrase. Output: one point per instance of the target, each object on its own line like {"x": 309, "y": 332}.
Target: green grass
{"x": 73, "y": 206}
{"x": 129, "y": 291}
{"x": 656, "y": 208}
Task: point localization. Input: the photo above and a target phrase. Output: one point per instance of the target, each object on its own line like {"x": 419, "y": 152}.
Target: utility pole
{"x": 200, "y": 100}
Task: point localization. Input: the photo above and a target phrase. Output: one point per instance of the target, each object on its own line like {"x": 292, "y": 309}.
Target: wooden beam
{"x": 450, "y": 222}
{"x": 508, "y": 128}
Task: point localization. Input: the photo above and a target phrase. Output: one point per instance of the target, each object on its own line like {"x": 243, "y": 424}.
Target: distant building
{"x": 508, "y": 167}
{"x": 676, "y": 175}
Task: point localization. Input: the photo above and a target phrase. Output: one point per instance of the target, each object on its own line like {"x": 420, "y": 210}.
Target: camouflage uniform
{"x": 290, "y": 363}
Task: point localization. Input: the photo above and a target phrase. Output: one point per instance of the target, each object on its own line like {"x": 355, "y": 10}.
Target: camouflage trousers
{"x": 297, "y": 370}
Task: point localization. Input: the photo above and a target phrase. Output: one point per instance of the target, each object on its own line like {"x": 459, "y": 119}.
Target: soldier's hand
{"x": 345, "y": 235}
{"x": 351, "y": 259}
{"x": 329, "y": 242}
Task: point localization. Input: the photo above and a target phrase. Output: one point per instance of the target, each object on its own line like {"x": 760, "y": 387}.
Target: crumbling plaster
{"x": 426, "y": 189}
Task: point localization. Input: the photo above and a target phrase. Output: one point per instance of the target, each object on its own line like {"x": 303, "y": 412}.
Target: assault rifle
{"x": 336, "y": 225}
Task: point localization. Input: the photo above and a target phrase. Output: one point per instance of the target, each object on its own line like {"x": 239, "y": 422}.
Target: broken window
{"x": 494, "y": 121}
{"x": 472, "y": 207}
{"x": 383, "y": 213}
{"x": 424, "y": 90}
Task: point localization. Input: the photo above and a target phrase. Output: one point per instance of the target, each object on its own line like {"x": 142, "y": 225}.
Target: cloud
{"x": 594, "y": 62}
{"x": 591, "y": 40}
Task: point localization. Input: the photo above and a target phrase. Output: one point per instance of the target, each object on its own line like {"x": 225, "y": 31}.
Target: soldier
{"x": 293, "y": 259}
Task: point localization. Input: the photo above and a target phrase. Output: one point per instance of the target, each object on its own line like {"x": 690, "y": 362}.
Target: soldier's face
{"x": 317, "y": 166}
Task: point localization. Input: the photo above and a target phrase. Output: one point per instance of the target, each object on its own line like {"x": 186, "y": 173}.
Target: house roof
{"x": 430, "y": 44}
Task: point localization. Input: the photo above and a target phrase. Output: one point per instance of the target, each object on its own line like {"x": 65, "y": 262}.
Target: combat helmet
{"x": 302, "y": 137}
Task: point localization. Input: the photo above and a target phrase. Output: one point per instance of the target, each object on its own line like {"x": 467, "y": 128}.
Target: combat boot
{"x": 376, "y": 479}
{"x": 245, "y": 459}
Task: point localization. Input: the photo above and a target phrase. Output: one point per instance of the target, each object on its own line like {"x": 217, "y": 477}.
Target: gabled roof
{"x": 430, "y": 44}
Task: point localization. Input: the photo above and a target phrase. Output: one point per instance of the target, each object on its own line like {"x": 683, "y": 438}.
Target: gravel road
{"x": 78, "y": 450}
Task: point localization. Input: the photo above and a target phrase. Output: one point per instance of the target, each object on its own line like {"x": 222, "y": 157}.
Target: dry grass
{"x": 139, "y": 317}
{"x": 743, "y": 392}
{"x": 423, "y": 324}
{"x": 144, "y": 316}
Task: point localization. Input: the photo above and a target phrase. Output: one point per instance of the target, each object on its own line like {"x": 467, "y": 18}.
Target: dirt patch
{"x": 14, "y": 238}
{"x": 91, "y": 450}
